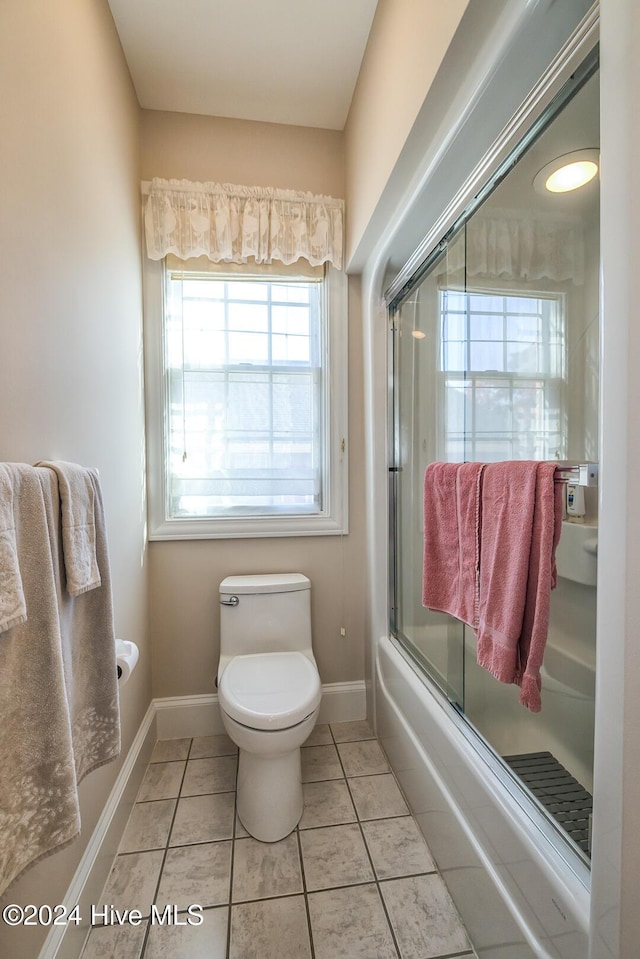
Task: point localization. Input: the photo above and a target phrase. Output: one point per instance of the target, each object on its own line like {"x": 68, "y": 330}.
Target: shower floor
{"x": 560, "y": 793}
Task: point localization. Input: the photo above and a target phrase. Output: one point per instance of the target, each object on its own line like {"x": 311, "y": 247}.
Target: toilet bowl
{"x": 269, "y": 694}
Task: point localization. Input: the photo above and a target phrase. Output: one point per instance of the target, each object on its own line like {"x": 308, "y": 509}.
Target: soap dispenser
{"x": 575, "y": 503}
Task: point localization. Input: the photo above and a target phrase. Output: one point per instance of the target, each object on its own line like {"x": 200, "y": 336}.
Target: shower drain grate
{"x": 563, "y": 796}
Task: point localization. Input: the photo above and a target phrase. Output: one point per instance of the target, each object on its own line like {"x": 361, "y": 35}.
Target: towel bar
{"x": 585, "y": 474}
{"x": 582, "y": 474}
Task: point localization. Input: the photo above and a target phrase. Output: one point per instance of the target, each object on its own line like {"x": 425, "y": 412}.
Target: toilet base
{"x": 269, "y": 795}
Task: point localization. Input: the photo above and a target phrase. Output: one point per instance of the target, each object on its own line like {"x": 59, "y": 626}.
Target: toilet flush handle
{"x": 232, "y": 601}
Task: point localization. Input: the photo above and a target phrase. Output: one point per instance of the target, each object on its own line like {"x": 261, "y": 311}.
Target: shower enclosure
{"x": 495, "y": 356}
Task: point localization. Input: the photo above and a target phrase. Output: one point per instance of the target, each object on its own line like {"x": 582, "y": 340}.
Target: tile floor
{"x": 355, "y": 880}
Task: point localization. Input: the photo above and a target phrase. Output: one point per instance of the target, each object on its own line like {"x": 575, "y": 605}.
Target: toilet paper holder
{"x": 127, "y": 654}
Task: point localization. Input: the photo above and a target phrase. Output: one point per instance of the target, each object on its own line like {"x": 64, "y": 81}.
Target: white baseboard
{"x": 171, "y": 718}
{"x": 180, "y": 717}
{"x": 343, "y": 702}
{"x": 65, "y": 942}
{"x": 184, "y": 716}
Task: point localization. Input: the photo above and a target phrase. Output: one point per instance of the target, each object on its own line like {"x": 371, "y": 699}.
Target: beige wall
{"x": 184, "y": 576}
{"x": 70, "y": 319}
{"x": 407, "y": 43}
{"x": 241, "y": 151}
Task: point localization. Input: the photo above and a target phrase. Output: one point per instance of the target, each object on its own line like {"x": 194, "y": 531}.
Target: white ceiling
{"x": 281, "y": 61}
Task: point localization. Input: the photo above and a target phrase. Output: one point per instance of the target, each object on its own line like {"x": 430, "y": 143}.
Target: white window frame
{"x": 333, "y": 519}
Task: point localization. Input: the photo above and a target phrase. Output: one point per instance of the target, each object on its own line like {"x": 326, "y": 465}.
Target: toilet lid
{"x": 270, "y": 690}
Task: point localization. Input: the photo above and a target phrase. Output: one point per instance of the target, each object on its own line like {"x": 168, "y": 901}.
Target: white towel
{"x": 58, "y": 681}
{"x": 13, "y": 609}
{"x": 77, "y": 504}
{"x": 39, "y": 810}
{"x": 88, "y": 641}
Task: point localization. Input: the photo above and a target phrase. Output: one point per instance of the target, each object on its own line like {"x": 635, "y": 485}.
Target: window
{"x": 246, "y": 365}
{"x": 502, "y": 359}
{"x": 246, "y": 400}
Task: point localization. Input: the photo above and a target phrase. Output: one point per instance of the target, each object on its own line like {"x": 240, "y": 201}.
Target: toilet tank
{"x": 272, "y": 614}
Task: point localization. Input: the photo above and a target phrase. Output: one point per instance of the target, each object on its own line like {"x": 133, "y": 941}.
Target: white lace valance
{"x": 517, "y": 245}
{"x": 230, "y": 223}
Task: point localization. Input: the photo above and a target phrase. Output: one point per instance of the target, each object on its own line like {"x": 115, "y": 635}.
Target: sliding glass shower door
{"x": 435, "y": 639}
{"x": 495, "y": 357}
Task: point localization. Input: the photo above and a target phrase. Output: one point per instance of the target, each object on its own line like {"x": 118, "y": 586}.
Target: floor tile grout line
{"x": 167, "y": 762}
{"x": 218, "y": 792}
{"x": 409, "y": 875}
{"x": 166, "y": 850}
{"x": 189, "y": 758}
{"x": 304, "y": 892}
{"x": 280, "y": 895}
{"x": 340, "y": 886}
{"x": 373, "y": 869}
{"x": 456, "y": 955}
{"x": 145, "y": 802}
{"x": 181, "y": 845}
{"x": 233, "y": 855}
{"x": 327, "y": 825}
{"x": 386, "y": 772}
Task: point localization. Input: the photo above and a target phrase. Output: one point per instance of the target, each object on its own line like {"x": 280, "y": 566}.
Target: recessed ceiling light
{"x": 418, "y": 334}
{"x": 568, "y": 172}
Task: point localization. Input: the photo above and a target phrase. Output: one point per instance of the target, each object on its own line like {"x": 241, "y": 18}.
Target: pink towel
{"x": 521, "y": 523}
{"x": 490, "y": 535}
{"x": 451, "y": 539}
{"x": 543, "y": 577}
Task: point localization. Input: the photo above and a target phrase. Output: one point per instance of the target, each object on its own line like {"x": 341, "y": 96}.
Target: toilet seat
{"x": 270, "y": 690}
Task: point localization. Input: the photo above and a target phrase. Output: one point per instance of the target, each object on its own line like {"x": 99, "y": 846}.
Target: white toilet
{"x": 269, "y": 694}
